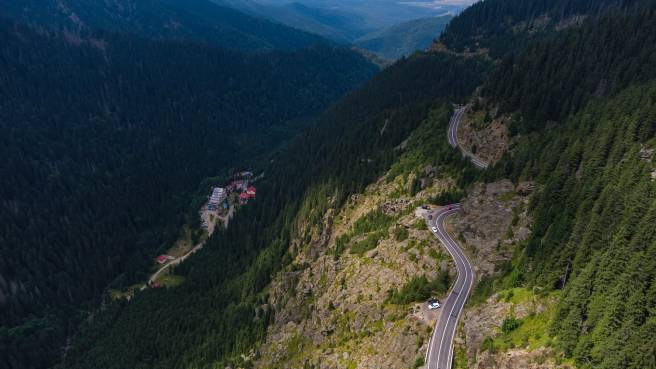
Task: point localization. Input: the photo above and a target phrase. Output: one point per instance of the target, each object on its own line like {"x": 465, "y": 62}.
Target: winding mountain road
{"x": 440, "y": 347}
{"x": 452, "y": 134}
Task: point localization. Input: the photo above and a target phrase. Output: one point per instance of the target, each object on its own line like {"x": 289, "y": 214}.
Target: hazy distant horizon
{"x": 383, "y": 13}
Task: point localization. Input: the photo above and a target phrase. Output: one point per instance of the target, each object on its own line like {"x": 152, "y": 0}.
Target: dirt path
{"x": 172, "y": 263}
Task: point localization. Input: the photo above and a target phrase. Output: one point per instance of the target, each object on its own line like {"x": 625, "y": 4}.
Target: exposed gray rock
{"x": 394, "y": 206}
{"x": 490, "y": 140}
{"x": 486, "y": 217}
{"x": 646, "y": 154}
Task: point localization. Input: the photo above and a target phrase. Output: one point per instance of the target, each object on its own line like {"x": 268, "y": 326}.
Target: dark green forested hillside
{"x": 505, "y": 25}
{"x": 199, "y": 20}
{"x": 593, "y": 234}
{"x": 555, "y": 78}
{"x": 219, "y": 311}
{"x": 105, "y": 136}
{"x": 103, "y": 139}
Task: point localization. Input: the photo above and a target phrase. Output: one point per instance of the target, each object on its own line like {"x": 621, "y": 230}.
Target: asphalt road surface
{"x": 453, "y": 138}
{"x": 440, "y": 346}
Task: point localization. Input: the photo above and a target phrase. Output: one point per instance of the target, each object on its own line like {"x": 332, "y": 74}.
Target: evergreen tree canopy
{"x": 105, "y": 137}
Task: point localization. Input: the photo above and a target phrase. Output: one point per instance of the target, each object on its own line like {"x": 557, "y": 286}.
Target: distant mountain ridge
{"x": 405, "y": 38}
{"x": 199, "y": 20}
{"x": 386, "y": 28}
{"x": 334, "y": 24}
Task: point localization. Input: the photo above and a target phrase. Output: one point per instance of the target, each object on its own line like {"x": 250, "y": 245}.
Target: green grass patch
{"x": 529, "y": 332}
{"x": 170, "y": 280}
{"x": 400, "y": 233}
{"x": 480, "y": 119}
{"x": 375, "y": 220}
{"x": 376, "y": 223}
{"x": 296, "y": 349}
{"x": 127, "y": 293}
{"x": 340, "y": 245}
{"x": 508, "y": 277}
{"x": 517, "y": 295}
{"x": 506, "y": 196}
{"x": 436, "y": 254}
{"x": 420, "y": 224}
{"x": 510, "y": 324}
{"x": 460, "y": 360}
{"x": 369, "y": 243}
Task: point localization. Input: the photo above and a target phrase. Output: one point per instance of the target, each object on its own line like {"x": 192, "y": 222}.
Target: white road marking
{"x": 452, "y": 135}
{"x": 459, "y": 298}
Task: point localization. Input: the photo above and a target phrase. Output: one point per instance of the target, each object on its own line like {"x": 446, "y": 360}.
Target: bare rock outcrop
{"x": 329, "y": 305}
{"x": 493, "y": 217}
{"x": 488, "y": 140}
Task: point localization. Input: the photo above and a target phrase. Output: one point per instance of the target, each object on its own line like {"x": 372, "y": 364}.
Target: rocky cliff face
{"x": 330, "y": 306}
{"x": 492, "y": 225}
{"x": 483, "y": 135}
{"x": 488, "y": 345}
{"x": 493, "y": 218}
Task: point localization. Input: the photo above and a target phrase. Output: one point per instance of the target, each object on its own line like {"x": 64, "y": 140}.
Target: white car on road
{"x": 434, "y": 229}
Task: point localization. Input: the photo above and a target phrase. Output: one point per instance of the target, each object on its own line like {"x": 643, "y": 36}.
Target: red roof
{"x": 251, "y": 190}
{"x": 244, "y": 196}
{"x": 162, "y": 259}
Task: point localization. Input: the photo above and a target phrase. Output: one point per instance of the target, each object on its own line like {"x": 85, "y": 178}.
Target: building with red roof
{"x": 238, "y": 185}
{"x": 162, "y": 259}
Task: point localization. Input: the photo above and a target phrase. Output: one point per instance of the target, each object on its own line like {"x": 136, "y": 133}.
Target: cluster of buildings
{"x": 241, "y": 185}
{"x": 250, "y": 193}
{"x": 219, "y": 195}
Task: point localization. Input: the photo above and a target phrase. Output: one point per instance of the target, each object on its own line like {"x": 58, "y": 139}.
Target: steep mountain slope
{"x": 553, "y": 79}
{"x": 221, "y": 309}
{"x": 200, "y": 20}
{"x": 560, "y": 229}
{"x": 573, "y": 287}
{"x": 104, "y": 139}
{"x": 405, "y": 38}
{"x": 499, "y": 26}
{"x": 591, "y": 234}
{"x": 600, "y": 243}
{"x": 580, "y": 109}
